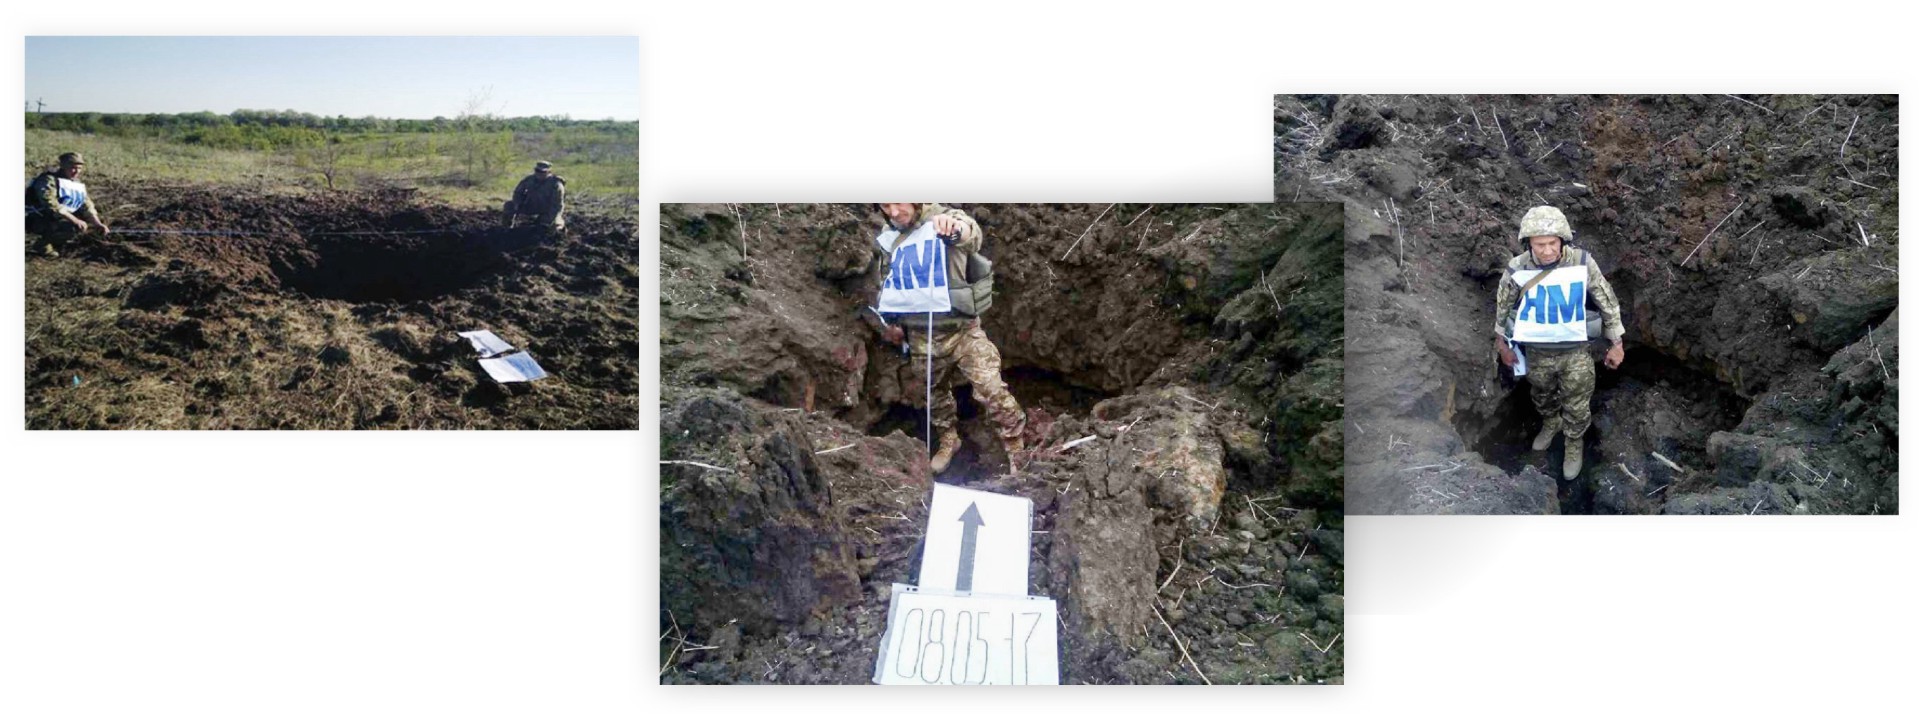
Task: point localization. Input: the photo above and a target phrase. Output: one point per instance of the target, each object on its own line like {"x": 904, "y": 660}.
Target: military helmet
{"x": 543, "y": 165}
{"x": 1545, "y": 220}
{"x": 71, "y": 158}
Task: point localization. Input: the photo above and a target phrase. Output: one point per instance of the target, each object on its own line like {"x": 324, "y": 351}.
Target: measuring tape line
{"x": 235, "y": 233}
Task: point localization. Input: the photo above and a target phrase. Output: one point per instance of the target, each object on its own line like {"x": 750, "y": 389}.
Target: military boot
{"x": 1572, "y": 467}
{"x": 1547, "y": 431}
{"x": 949, "y": 444}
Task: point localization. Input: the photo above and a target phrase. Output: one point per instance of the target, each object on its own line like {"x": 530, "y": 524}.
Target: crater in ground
{"x": 1749, "y": 255}
{"x": 1159, "y": 309}
{"x": 1653, "y": 403}
{"x": 395, "y": 268}
{"x": 231, "y": 302}
{"x": 980, "y": 454}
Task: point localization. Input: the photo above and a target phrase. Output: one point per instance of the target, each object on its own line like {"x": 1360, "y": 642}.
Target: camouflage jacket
{"x": 546, "y": 198}
{"x": 43, "y": 195}
{"x": 1598, "y": 290}
{"x": 969, "y": 243}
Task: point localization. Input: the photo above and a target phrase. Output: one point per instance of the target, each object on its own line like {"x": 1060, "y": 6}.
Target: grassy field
{"x": 234, "y": 292}
{"x": 474, "y": 167}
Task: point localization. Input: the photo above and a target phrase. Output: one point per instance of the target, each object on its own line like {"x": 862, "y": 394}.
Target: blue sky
{"x": 588, "y": 78}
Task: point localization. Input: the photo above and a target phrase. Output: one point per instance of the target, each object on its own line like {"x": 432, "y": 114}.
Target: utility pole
{"x": 42, "y": 103}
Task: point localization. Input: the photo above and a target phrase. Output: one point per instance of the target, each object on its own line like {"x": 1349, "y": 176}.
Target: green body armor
{"x": 976, "y": 295}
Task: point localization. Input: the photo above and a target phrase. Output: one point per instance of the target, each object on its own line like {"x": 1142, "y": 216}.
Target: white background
{"x": 251, "y": 575}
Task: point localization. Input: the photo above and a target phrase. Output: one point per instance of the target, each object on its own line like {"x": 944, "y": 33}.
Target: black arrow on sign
{"x": 969, "y": 533}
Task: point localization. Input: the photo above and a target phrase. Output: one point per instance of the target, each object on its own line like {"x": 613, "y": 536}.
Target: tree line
{"x": 278, "y": 129}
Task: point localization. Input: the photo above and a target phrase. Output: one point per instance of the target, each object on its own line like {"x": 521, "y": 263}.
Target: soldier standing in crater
{"x": 960, "y": 349}
{"x": 1540, "y": 323}
{"x": 542, "y": 196}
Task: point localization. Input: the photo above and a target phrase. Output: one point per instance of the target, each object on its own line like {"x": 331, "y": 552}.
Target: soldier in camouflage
{"x": 58, "y": 205}
{"x": 961, "y": 351}
{"x": 543, "y": 196}
{"x": 1547, "y": 322}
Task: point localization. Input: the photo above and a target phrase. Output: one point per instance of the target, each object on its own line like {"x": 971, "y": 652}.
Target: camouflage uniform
{"x": 544, "y": 198}
{"x": 959, "y": 344}
{"x": 46, "y": 217}
{"x": 1562, "y": 382}
{"x": 1561, "y": 374}
{"x": 978, "y": 362}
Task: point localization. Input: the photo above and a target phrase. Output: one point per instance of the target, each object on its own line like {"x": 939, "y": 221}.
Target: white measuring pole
{"x": 929, "y": 384}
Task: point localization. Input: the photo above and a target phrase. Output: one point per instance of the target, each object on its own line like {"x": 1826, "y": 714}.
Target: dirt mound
{"x": 1197, "y": 345}
{"x": 1753, "y": 249}
{"x": 328, "y": 311}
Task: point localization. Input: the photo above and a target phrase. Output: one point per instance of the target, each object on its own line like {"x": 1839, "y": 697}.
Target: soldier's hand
{"x": 1506, "y": 353}
{"x": 947, "y": 225}
{"x": 102, "y": 227}
{"x": 1616, "y": 355}
{"x": 78, "y": 224}
{"x": 893, "y": 334}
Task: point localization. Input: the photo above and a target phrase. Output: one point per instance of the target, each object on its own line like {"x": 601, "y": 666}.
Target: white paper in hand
{"x": 916, "y": 280}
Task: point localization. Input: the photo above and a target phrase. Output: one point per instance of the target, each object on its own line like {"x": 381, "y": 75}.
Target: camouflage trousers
{"x": 1562, "y": 383}
{"x": 53, "y": 232}
{"x": 50, "y": 226}
{"x": 965, "y": 356}
{"x": 511, "y": 213}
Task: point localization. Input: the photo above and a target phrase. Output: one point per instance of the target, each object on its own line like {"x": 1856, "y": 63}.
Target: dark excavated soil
{"x": 1751, "y": 254}
{"x": 1190, "y": 340}
{"x": 328, "y": 311}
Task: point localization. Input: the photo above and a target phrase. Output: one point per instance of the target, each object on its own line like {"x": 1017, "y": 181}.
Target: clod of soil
{"x": 328, "y": 311}
{"x": 1755, "y": 263}
{"x": 1198, "y": 345}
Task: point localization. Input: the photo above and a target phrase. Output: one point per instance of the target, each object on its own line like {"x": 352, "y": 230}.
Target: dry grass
{"x": 600, "y": 171}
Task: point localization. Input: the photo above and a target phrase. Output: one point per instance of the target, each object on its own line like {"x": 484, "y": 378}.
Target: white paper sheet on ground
{"x": 976, "y": 542}
{"x": 486, "y": 343}
{"x": 518, "y": 367}
{"x": 939, "y": 638}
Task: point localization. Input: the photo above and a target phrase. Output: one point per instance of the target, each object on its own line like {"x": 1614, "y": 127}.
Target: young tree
{"x": 328, "y": 158}
{"x": 484, "y": 151}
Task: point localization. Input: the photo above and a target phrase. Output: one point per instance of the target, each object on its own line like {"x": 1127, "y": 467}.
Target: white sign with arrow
{"x": 977, "y": 542}
{"x": 970, "y": 621}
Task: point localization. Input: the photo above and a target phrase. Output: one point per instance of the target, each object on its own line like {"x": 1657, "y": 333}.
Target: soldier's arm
{"x": 559, "y": 200}
{"x": 44, "y": 198}
{"x": 1612, "y": 323}
{"x": 876, "y": 274}
{"x": 87, "y": 212}
{"x": 520, "y": 193}
{"x": 1503, "y": 304}
{"x": 969, "y": 231}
